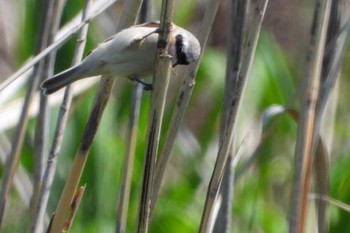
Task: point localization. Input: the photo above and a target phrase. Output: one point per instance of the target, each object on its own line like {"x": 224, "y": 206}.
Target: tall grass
{"x": 250, "y": 130}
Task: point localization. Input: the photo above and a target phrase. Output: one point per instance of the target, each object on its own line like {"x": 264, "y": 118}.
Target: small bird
{"x": 130, "y": 53}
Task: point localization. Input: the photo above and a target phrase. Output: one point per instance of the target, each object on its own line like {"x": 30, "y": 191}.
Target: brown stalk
{"x": 130, "y": 13}
{"x": 235, "y": 99}
{"x": 306, "y": 139}
{"x": 127, "y": 167}
{"x": 183, "y": 99}
{"x": 131, "y": 137}
{"x": 18, "y": 136}
{"x": 234, "y": 60}
{"x": 37, "y": 223}
{"x": 42, "y": 124}
{"x": 155, "y": 116}
{"x": 74, "y": 207}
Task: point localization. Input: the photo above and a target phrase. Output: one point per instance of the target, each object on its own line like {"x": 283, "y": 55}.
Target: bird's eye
{"x": 181, "y": 57}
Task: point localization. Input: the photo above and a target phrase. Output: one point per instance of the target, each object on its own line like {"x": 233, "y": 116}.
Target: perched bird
{"x": 130, "y": 53}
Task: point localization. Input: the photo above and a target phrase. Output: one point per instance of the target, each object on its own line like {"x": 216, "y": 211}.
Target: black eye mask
{"x": 181, "y": 58}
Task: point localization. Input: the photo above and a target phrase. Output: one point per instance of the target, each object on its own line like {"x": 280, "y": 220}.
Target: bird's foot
{"x": 146, "y": 86}
{"x": 152, "y": 32}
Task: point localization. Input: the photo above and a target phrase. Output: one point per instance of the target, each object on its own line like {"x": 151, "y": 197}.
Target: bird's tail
{"x": 62, "y": 79}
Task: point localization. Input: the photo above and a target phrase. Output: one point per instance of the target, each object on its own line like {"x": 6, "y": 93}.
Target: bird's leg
{"x": 146, "y": 86}
{"x": 147, "y": 35}
{"x": 139, "y": 41}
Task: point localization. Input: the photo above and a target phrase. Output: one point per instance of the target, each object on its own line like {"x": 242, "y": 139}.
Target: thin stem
{"x": 130, "y": 13}
{"x": 306, "y": 139}
{"x": 155, "y": 117}
{"x": 125, "y": 183}
{"x": 234, "y": 60}
{"x": 17, "y": 140}
{"x": 42, "y": 124}
{"x": 37, "y": 224}
{"x": 183, "y": 99}
{"x": 80, "y": 158}
{"x": 127, "y": 168}
{"x": 235, "y": 101}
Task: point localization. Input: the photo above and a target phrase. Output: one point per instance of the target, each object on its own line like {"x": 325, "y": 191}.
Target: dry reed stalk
{"x": 18, "y": 136}
{"x": 131, "y": 137}
{"x": 155, "y": 115}
{"x": 42, "y": 123}
{"x": 306, "y": 138}
{"x": 235, "y": 45}
{"x": 183, "y": 99}
{"x": 37, "y": 223}
{"x": 128, "y": 18}
{"x": 235, "y": 99}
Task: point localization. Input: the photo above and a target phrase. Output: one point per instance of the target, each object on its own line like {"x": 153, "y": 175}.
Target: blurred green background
{"x": 261, "y": 193}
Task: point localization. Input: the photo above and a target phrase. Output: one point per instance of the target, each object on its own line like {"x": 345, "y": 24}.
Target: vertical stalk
{"x": 306, "y": 139}
{"x": 183, "y": 99}
{"x": 234, "y": 60}
{"x": 37, "y": 223}
{"x": 235, "y": 100}
{"x": 155, "y": 117}
{"x": 128, "y": 161}
{"x": 130, "y": 13}
{"x": 18, "y": 136}
{"x": 42, "y": 124}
